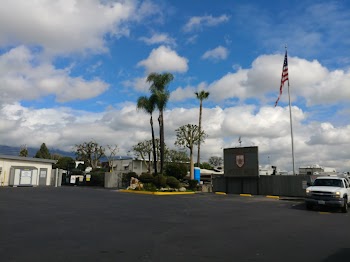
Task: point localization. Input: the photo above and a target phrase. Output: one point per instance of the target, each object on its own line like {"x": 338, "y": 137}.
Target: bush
{"x": 159, "y": 181}
{"x": 126, "y": 177}
{"x": 172, "y": 182}
{"x": 97, "y": 179}
{"x": 146, "y": 178}
{"x": 192, "y": 184}
{"x": 149, "y": 187}
{"x": 177, "y": 170}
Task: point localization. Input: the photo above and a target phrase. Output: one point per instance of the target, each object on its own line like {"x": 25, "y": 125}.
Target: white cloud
{"x": 66, "y": 26}
{"x": 266, "y": 127}
{"x": 197, "y": 22}
{"x": 158, "y": 39}
{"x": 218, "y": 53}
{"x": 187, "y": 92}
{"x": 180, "y": 93}
{"x": 308, "y": 79}
{"x": 24, "y": 78}
{"x": 229, "y": 86}
{"x": 164, "y": 59}
{"x": 139, "y": 84}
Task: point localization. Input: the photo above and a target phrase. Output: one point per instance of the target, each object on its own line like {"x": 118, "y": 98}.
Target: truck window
{"x": 328, "y": 182}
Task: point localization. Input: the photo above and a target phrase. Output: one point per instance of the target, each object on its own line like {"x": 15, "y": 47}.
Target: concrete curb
{"x": 220, "y": 193}
{"x": 155, "y": 193}
{"x": 274, "y": 197}
{"x": 246, "y": 195}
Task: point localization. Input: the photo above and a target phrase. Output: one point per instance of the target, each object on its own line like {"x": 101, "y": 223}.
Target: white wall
{"x": 5, "y": 165}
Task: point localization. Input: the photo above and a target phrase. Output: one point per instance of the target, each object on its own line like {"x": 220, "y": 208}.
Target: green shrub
{"x": 97, "y": 179}
{"x": 149, "y": 187}
{"x": 127, "y": 177}
{"x": 159, "y": 181}
{"x": 177, "y": 170}
{"x": 172, "y": 182}
{"x": 192, "y": 184}
{"x": 146, "y": 178}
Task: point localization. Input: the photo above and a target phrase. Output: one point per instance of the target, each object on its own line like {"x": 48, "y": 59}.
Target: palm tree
{"x": 202, "y": 95}
{"x": 148, "y": 105}
{"x": 158, "y": 88}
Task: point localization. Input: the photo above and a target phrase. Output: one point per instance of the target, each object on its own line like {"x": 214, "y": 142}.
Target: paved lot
{"x": 84, "y": 224}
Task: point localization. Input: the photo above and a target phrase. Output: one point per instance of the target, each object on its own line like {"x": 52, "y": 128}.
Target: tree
{"x": 174, "y": 156}
{"x": 112, "y": 153}
{"x": 202, "y": 95}
{"x": 89, "y": 152}
{"x": 148, "y": 105}
{"x": 188, "y": 136}
{"x": 23, "y": 151}
{"x": 55, "y": 156}
{"x": 43, "y": 152}
{"x": 158, "y": 88}
{"x": 215, "y": 161}
{"x": 65, "y": 162}
{"x": 143, "y": 150}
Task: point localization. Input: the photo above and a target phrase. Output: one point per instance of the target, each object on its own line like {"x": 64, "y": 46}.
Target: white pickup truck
{"x": 329, "y": 191}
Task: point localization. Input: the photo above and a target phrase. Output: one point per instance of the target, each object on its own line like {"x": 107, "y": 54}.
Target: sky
{"x": 71, "y": 71}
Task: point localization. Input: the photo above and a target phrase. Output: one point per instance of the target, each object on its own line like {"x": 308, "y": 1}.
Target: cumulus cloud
{"x": 197, "y": 22}
{"x": 180, "y": 93}
{"x": 308, "y": 79}
{"x": 218, "y": 53}
{"x": 158, "y": 39}
{"x": 187, "y": 92}
{"x": 265, "y": 127}
{"x": 164, "y": 59}
{"x": 140, "y": 84}
{"x": 68, "y": 26}
{"x": 24, "y": 78}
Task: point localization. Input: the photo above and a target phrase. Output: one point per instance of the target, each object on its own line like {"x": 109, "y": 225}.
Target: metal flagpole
{"x": 291, "y": 124}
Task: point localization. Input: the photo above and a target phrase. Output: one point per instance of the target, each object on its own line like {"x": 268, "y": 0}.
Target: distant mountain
{"x": 14, "y": 151}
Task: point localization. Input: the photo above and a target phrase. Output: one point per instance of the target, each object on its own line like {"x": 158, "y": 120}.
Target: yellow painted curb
{"x": 220, "y": 193}
{"x": 275, "y": 197}
{"x": 324, "y": 213}
{"x": 136, "y": 192}
{"x": 172, "y": 193}
{"x": 246, "y": 195}
{"x": 155, "y": 193}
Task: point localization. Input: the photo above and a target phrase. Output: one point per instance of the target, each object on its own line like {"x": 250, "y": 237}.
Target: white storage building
{"x": 25, "y": 171}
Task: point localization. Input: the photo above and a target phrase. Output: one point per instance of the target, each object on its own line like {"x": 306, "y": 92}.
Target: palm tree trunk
{"x": 200, "y": 129}
{"x": 161, "y": 140}
{"x": 154, "y": 148}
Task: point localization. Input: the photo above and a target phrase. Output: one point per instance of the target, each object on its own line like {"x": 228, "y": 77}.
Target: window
{"x": 329, "y": 182}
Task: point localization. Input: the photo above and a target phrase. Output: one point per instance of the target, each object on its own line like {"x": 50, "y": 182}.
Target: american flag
{"x": 284, "y": 77}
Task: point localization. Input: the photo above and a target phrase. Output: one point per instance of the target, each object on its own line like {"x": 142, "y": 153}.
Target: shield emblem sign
{"x": 240, "y": 160}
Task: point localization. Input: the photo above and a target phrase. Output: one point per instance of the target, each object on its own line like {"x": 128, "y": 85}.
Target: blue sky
{"x": 71, "y": 71}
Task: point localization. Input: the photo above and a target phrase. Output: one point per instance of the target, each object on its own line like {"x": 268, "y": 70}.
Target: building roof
{"x": 28, "y": 159}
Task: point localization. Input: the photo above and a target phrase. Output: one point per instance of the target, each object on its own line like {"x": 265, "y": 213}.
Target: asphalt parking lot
{"x": 85, "y": 224}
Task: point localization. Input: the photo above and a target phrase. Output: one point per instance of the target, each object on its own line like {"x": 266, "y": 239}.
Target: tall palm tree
{"x": 202, "y": 95}
{"x": 158, "y": 88}
{"x": 148, "y": 105}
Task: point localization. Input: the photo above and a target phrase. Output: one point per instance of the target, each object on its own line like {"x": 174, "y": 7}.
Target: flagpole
{"x": 291, "y": 126}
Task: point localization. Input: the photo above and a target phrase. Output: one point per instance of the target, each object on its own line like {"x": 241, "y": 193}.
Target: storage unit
{"x": 25, "y": 171}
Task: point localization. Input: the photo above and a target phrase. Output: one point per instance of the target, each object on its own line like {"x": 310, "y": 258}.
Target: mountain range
{"x": 14, "y": 151}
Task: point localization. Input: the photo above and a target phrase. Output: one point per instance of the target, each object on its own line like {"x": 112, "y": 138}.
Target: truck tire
{"x": 345, "y": 207}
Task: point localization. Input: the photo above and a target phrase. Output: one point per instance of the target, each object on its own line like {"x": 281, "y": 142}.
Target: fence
{"x": 293, "y": 186}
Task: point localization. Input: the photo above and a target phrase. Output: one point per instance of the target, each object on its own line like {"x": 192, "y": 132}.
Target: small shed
{"x": 25, "y": 171}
